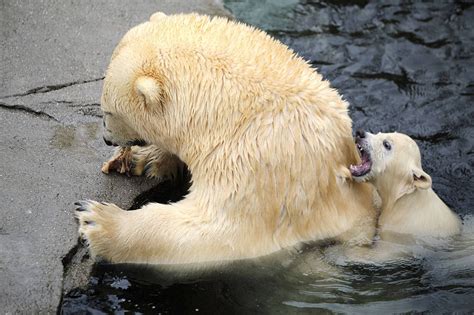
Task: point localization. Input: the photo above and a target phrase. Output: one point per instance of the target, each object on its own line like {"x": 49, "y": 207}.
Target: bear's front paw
{"x": 120, "y": 162}
{"x": 166, "y": 168}
{"x": 99, "y": 224}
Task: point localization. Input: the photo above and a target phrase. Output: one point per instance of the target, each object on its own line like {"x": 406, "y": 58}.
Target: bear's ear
{"x": 149, "y": 89}
{"x": 157, "y": 16}
{"x": 417, "y": 178}
{"x": 421, "y": 179}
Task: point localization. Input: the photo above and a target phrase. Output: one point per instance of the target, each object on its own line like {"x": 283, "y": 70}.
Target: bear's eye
{"x": 387, "y": 145}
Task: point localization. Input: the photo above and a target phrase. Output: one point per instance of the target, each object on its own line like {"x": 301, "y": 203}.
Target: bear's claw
{"x": 84, "y": 205}
{"x": 80, "y": 206}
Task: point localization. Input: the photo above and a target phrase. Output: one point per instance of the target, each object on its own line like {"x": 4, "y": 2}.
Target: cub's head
{"x": 389, "y": 160}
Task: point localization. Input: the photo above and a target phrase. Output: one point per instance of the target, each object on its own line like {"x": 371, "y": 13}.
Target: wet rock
{"x": 53, "y": 58}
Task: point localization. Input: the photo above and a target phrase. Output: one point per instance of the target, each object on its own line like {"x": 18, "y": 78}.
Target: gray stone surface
{"x": 53, "y": 58}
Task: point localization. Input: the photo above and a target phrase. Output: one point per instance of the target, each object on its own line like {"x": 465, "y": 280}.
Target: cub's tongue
{"x": 364, "y": 167}
{"x": 361, "y": 169}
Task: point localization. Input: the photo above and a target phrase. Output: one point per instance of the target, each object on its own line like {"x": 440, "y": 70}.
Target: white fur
{"x": 409, "y": 204}
{"x": 265, "y": 137}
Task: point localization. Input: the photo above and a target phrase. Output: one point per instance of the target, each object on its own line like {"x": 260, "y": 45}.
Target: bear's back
{"x": 250, "y": 52}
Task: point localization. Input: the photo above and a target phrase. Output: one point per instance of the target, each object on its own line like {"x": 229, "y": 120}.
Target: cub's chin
{"x": 361, "y": 179}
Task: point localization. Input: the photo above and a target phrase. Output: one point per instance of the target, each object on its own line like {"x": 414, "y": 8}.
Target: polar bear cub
{"x": 392, "y": 163}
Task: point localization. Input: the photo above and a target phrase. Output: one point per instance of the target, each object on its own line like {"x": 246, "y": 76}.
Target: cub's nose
{"x": 360, "y": 134}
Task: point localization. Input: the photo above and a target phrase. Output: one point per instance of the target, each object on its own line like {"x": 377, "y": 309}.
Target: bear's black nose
{"x": 109, "y": 143}
{"x": 360, "y": 134}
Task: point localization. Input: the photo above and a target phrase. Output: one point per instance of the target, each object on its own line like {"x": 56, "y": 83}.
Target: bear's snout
{"x": 360, "y": 134}
{"x": 109, "y": 143}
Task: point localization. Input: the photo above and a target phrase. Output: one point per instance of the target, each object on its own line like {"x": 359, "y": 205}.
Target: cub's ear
{"x": 149, "y": 89}
{"x": 421, "y": 179}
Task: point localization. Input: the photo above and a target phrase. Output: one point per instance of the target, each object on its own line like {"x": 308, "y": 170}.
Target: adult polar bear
{"x": 266, "y": 139}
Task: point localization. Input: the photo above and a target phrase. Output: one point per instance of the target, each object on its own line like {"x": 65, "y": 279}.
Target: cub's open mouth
{"x": 366, "y": 165}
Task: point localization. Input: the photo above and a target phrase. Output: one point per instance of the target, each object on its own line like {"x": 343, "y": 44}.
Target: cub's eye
{"x": 387, "y": 145}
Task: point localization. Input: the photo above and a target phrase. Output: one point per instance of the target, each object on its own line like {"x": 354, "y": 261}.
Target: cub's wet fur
{"x": 392, "y": 163}
{"x": 410, "y": 211}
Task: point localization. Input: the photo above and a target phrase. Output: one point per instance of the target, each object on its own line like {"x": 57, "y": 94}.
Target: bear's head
{"x": 132, "y": 98}
{"x": 124, "y": 108}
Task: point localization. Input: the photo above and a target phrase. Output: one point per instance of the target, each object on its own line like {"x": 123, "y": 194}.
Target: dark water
{"x": 402, "y": 65}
